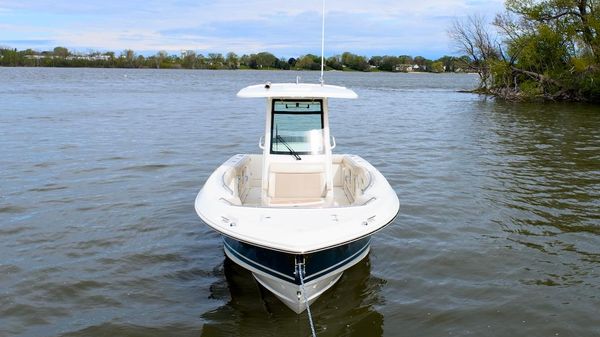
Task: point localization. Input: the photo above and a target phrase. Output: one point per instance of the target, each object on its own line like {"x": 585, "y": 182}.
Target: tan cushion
{"x": 296, "y": 183}
{"x": 297, "y": 168}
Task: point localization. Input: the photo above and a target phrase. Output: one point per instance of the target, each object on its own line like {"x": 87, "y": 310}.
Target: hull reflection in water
{"x": 252, "y": 310}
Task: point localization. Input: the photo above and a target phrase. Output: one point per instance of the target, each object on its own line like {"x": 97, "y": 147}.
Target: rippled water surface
{"x": 498, "y": 232}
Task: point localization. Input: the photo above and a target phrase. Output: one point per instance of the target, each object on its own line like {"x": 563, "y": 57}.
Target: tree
{"x": 308, "y": 62}
{"x": 61, "y": 52}
{"x": 215, "y": 60}
{"x": 9, "y": 57}
{"x": 550, "y": 50}
{"x": 449, "y": 63}
{"x": 389, "y": 63}
{"x": 405, "y": 59}
{"x": 437, "y": 67}
{"x": 355, "y": 62}
{"x": 473, "y": 38}
{"x": 265, "y": 60}
{"x": 232, "y": 60}
{"x": 334, "y": 62}
{"x": 376, "y": 61}
{"x": 128, "y": 55}
{"x": 578, "y": 21}
{"x": 188, "y": 59}
{"x": 161, "y": 56}
{"x": 283, "y": 64}
{"x": 140, "y": 61}
{"x": 200, "y": 62}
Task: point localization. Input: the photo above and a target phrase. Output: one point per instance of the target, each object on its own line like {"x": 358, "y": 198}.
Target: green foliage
{"x": 232, "y": 60}
{"x": 405, "y": 59}
{"x": 530, "y": 88}
{"x": 541, "y": 51}
{"x": 389, "y": 63}
{"x": 334, "y": 62}
{"x": 375, "y": 61}
{"x": 501, "y": 74}
{"x": 61, "y": 52}
{"x": 551, "y": 50}
{"x": 355, "y": 62}
{"x": 590, "y": 86}
{"x": 437, "y": 67}
{"x": 265, "y": 60}
{"x": 215, "y": 61}
{"x": 308, "y": 62}
{"x": 189, "y": 59}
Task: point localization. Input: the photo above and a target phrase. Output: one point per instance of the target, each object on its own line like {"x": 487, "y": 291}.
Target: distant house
{"x": 405, "y": 68}
{"x": 101, "y": 57}
{"x": 46, "y": 55}
{"x": 34, "y": 57}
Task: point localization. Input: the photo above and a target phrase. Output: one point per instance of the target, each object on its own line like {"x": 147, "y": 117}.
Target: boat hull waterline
{"x": 276, "y": 270}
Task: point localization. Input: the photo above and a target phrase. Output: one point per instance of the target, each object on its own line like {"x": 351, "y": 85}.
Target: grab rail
{"x": 370, "y": 182}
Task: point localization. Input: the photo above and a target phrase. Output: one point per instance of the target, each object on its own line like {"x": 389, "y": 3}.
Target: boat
{"x": 297, "y": 216}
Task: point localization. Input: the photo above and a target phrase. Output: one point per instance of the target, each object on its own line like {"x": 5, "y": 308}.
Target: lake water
{"x": 498, "y": 232}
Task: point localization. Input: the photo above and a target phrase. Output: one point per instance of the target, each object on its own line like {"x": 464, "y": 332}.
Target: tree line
{"x": 547, "y": 49}
{"x": 189, "y": 59}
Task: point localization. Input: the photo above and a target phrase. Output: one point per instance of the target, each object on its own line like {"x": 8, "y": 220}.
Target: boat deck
{"x": 253, "y": 197}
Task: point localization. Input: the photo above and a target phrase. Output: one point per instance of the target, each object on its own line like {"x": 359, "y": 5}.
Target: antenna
{"x": 322, "y": 44}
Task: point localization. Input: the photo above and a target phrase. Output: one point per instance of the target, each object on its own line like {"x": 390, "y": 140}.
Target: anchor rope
{"x": 310, "y": 320}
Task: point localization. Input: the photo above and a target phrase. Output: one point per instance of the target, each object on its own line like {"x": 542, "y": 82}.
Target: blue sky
{"x": 285, "y": 28}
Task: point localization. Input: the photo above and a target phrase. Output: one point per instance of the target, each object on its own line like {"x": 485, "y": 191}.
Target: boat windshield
{"x": 297, "y": 127}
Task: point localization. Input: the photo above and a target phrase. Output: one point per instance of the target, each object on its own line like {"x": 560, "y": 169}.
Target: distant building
{"x": 46, "y": 55}
{"x": 405, "y": 68}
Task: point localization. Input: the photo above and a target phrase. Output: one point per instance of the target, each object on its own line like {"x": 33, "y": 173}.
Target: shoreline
{"x": 250, "y": 69}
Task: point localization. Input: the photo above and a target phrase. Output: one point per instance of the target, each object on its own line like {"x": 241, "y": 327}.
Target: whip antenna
{"x": 322, "y": 44}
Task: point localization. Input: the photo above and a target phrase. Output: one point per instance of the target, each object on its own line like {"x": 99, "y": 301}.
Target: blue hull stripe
{"x": 256, "y": 265}
{"x": 339, "y": 264}
{"x": 282, "y": 265}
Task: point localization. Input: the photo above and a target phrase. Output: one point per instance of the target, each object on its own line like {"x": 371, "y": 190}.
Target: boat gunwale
{"x": 300, "y": 251}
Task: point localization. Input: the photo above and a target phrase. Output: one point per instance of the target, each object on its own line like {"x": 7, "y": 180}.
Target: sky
{"x": 284, "y": 28}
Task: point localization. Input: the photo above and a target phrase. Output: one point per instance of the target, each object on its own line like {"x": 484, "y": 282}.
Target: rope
{"x": 310, "y": 320}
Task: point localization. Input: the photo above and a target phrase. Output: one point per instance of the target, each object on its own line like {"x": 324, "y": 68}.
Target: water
{"x": 498, "y": 232}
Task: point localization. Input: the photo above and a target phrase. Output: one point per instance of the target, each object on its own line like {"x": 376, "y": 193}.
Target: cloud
{"x": 284, "y": 28}
{"x": 26, "y": 42}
